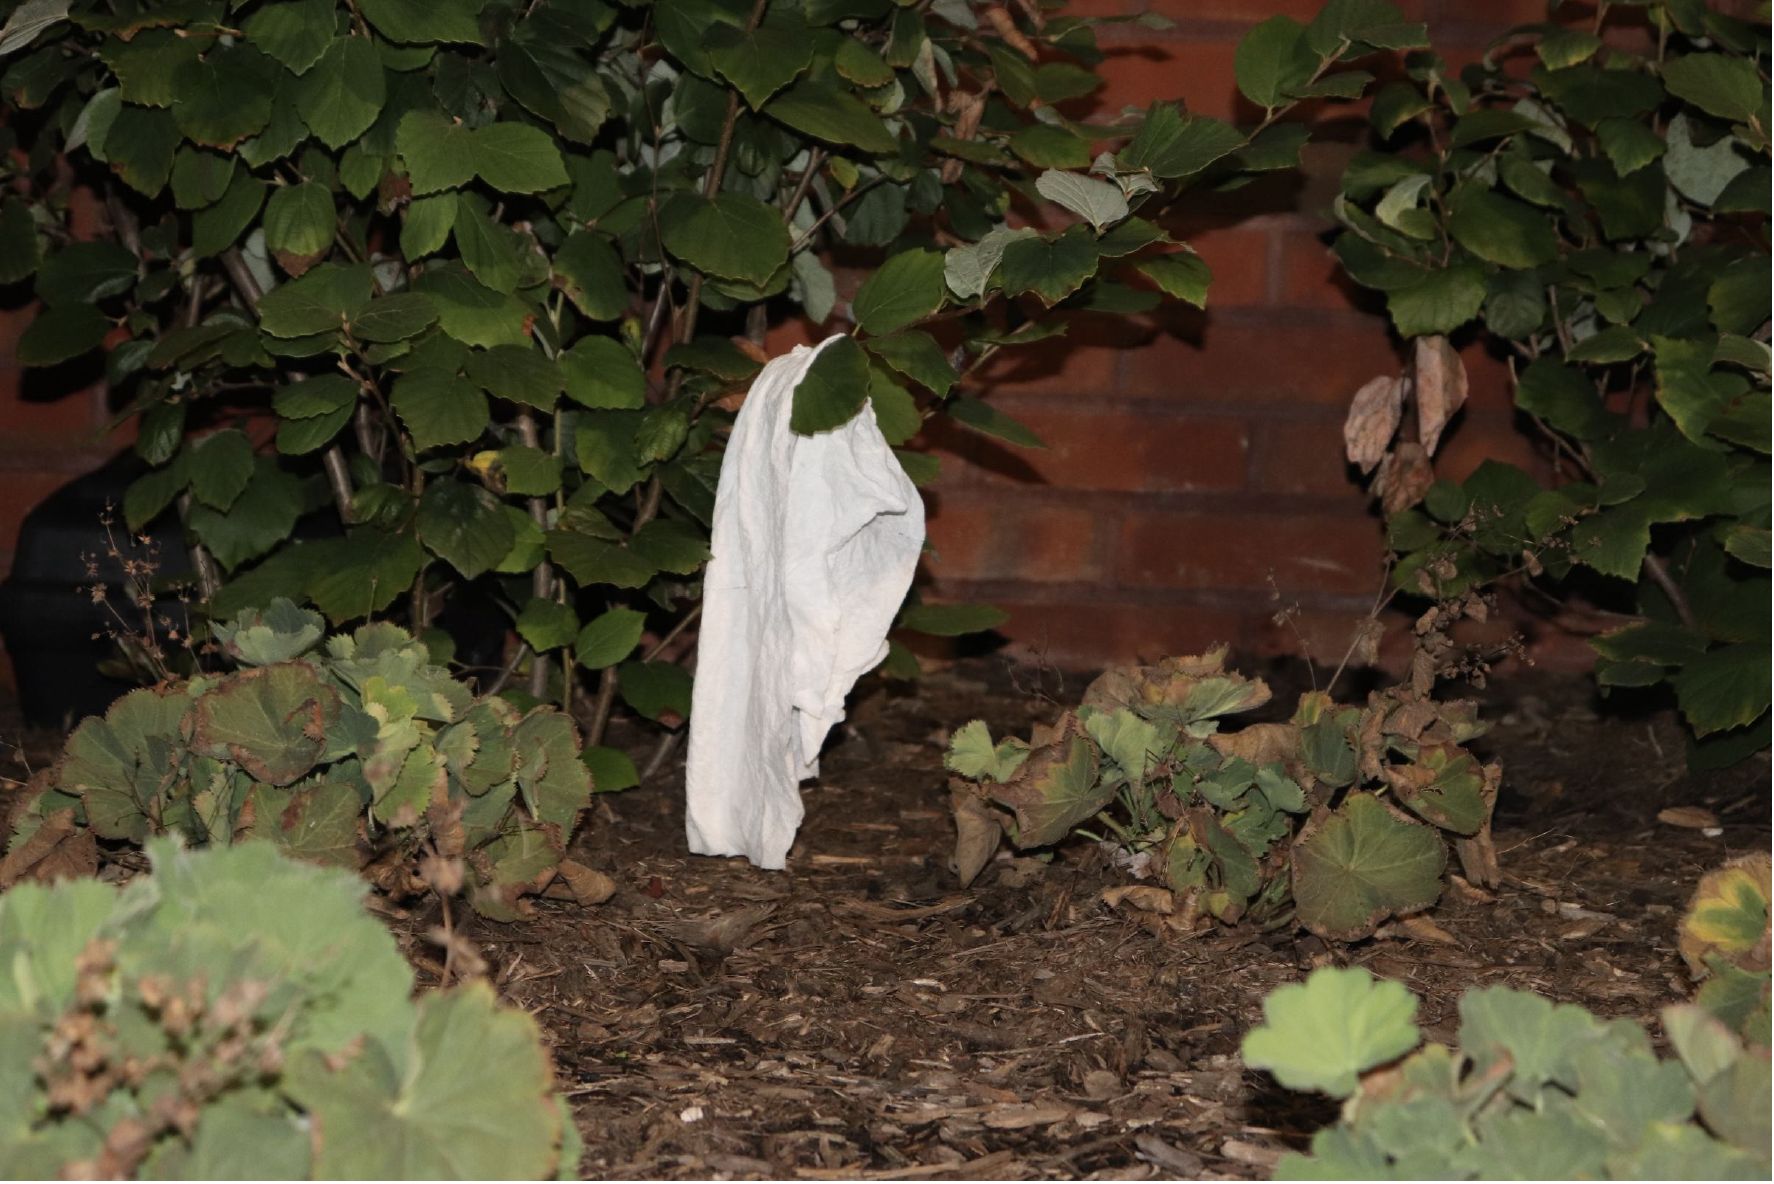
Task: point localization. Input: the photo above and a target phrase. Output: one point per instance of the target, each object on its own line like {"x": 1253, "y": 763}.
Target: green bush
{"x": 1535, "y": 1090}
{"x": 359, "y": 753}
{"x": 487, "y": 263}
{"x": 1333, "y": 819}
{"x": 237, "y": 1015}
{"x": 1598, "y": 217}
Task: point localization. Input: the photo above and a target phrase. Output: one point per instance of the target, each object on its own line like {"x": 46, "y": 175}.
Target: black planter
{"x": 48, "y": 621}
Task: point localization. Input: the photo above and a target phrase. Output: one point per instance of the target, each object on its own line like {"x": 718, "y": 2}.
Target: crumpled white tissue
{"x": 815, "y": 540}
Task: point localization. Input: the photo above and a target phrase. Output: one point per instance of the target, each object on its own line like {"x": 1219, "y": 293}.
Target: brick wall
{"x": 1195, "y": 461}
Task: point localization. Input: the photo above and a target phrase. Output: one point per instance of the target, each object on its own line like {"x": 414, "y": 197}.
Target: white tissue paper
{"x": 815, "y": 540}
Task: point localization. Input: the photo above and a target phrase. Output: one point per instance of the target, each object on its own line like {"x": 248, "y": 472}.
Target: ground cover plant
{"x": 1598, "y": 216}
{"x": 1537, "y": 1089}
{"x": 359, "y": 753}
{"x": 1334, "y": 819}
{"x": 199, "y": 1024}
{"x": 495, "y": 269}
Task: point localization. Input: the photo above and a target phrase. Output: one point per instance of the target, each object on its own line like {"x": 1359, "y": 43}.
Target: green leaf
{"x": 655, "y": 689}
{"x": 517, "y": 158}
{"x": 1445, "y": 786}
{"x": 214, "y": 230}
{"x": 81, "y": 273}
{"x": 671, "y": 546}
{"x": 1440, "y": 302}
{"x": 1095, "y": 200}
{"x": 19, "y": 252}
{"x": 57, "y": 334}
{"x": 713, "y": 355}
{"x": 1173, "y": 143}
{"x": 439, "y": 154}
{"x": 545, "y": 625}
{"x": 1616, "y": 343}
{"x": 1739, "y": 302}
{"x": 117, "y": 763}
{"x": 968, "y": 269}
{"x": 1048, "y": 146}
{"x": 1702, "y": 174}
{"x": 857, "y": 63}
{"x": 602, "y": 374}
{"x": 1361, "y": 864}
{"x": 439, "y": 407}
{"x": 916, "y": 355}
{"x": 280, "y": 633}
{"x": 906, "y": 288}
{"x": 299, "y": 222}
{"x": 1055, "y": 789}
{"x": 973, "y": 755}
{"x": 317, "y": 302}
{"x": 271, "y": 720}
{"x": 733, "y": 235}
{"x": 27, "y": 20}
{"x": 422, "y": 1124}
{"x": 427, "y": 224}
{"x": 836, "y": 116}
{"x": 220, "y": 468}
{"x": 200, "y": 177}
{"x": 590, "y": 273}
{"x": 1324, "y": 1033}
{"x": 1051, "y": 270}
{"x": 1718, "y": 84}
{"x": 1563, "y": 397}
{"x": 393, "y": 318}
{"x": 604, "y": 447}
{"x": 140, "y": 146}
{"x": 951, "y": 620}
{"x": 1182, "y": 274}
{"x": 295, "y": 32}
{"x": 260, "y": 518}
{"x": 983, "y": 417}
{"x": 518, "y": 373}
{"x": 489, "y": 249}
{"x": 1686, "y": 388}
{"x": 758, "y": 62}
{"x": 1364, "y": 25}
{"x": 1630, "y": 145}
{"x": 610, "y": 638}
{"x": 222, "y": 98}
{"x": 594, "y": 561}
{"x": 473, "y": 313}
{"x": 1271, "y": 60}
{"x": 1727, "y": 687}
{"x": 344, "y": 92}
{"x": 1488, "y": 123}
{"x": 1537, "y": 1035}
{"x": 832, "y": 390}
{"x": 464, "y": 525}
{"x": 363, "y": 573}
{"x": 425, "y": 21}
{"x": 1501, "y": 230}
{"x": 1589, "y": 94}
{"x": 611, "y": 769}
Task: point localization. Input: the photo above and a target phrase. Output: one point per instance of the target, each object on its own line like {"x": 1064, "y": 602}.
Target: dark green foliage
{"x": 1601, "y": 221}
{"x": 515, "y": 244}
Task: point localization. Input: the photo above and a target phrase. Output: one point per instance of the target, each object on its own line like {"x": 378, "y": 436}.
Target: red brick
{"x": 1124, "y": 451}
{"x": 1488, "y": 384}
{"x": 1479, "y": 435}
{"x": 1238, "y": 256}
{"x": 20, "y": 491}
{"x": 1252, "y": 11}
{"x": 1069, "y": 365}
{"x": 1015, "y": 540}
{"x": 1141, "y": 73}
{"x": 1324, "y": 635}
{"x": 1279, "y": 362}
{"x": 1304, "y": 456}
{"x": 1086, "y": 637}
{"x": 1311, "y": 277}
{"x": 1303, "y": 552}
{"x": 36, "y": 422}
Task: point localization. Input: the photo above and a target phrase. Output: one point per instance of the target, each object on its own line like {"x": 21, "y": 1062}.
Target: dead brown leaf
{"x": 60, "y": 849}
{"x": 1021, "y": 1117}
{"x": 977, "y": 832}
{"x": 1146, "y": 898}
{"x": 1404, "y": 478}
{"x": 587, "y": 885}
{"x": 1441, "y": 388}
{"x": 1690, "y": 817}
{"x": 1374, "y": 415}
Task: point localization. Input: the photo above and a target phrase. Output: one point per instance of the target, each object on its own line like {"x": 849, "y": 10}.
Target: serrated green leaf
{"x": 950, "y": 620}
{"x": 833, "y": 115}
{"x": 393, "y": 318}
{"x": 439, "y": 407}
{"x": 601, "y": 373}
{"x": 1726, "y": 687}
{"x": 758, "y": 62}
{"x": 906, "y": 288}
{"x": 1174, "y": 143}
{"x": 1362, "y": 864}
{"x": 1719, "y": 84}
{"x": 590, "y": 273}
{"x": 299, "y": 222}
{"x": 342, "y": 95}
{"x": 321, "y": 300}
{"x": 1500, "y": 229}
{"x": 1324, "y": 1033}
{"x": 425, "y": 21}
{"x": 1051, "y": 270}
{"x": 916, "y": 355}
{"x": 610, "y": 638}
{"x": 57, "y": 334}
{"x": 1271, "y": 60}
{"x": 546, "y": 625}
{"x": 733, "y": 236}
{"x": 832, "y": 390}
{"x": 1182, "y": 274}
{"x": 223, "y": 97}
{"x": 983, "y": 417}
{"x": 1440, "y": 302}
{"x": 655, "y": 689}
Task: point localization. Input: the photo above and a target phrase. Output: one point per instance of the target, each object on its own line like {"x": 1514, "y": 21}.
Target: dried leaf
{"x": 1404, "y": 478}
{"x": 1373, "y": 420}
{"x": 1144, "y": 897}
{"x": 977, "y": 831}
{"x": 59, "y": 849}
{"x": 1441, "y": 388}
{"x": 1690, "y": 817}
{"x": 588, "y": 886}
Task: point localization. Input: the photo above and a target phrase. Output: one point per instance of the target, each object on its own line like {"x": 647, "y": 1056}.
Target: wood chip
{"x": 1251, "y": 1153}
{"x": 1690, "y": 817}
{"x": 1016, "y": 1118}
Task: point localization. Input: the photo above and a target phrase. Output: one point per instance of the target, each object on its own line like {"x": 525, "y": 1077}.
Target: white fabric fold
{"x": 815, "y": 540}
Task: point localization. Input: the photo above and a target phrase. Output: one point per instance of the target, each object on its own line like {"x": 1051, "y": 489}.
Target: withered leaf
{"x": 1404, "y": 478}
{"x": 1373, "y": 419}
{"x": 1440, "y": 386}
{"x": 977, "y": 831}
{"x": 59, "y": 849}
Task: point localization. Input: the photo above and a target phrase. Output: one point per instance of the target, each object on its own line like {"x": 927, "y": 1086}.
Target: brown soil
{"x": 860, "y": 1016}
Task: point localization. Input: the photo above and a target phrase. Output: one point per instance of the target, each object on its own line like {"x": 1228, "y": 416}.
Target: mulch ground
{"x": 860, "y": 1016}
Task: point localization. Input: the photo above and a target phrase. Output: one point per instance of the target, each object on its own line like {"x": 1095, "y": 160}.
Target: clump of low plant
{"x": 1336, "y": 818}
{"x": 1537, "y": 1089}
{"x": 359, "y": 753}
{"x": 238, "y": 1015}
